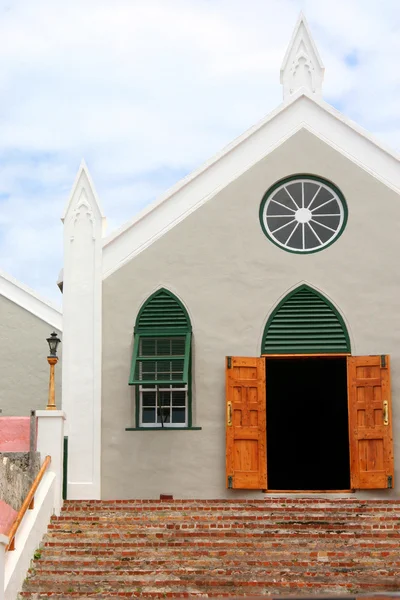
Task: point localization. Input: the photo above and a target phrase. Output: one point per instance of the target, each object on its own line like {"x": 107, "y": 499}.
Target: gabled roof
{"x": 301, "y": 111}
{"x": 26, "y": 298}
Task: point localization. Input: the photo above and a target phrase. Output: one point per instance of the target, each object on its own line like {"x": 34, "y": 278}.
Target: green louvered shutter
{"x": 162, "y": 312}
{"x": 305, "y": 323}
{"x": 161, "y": 352}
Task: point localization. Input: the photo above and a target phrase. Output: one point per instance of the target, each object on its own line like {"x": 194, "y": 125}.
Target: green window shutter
{"x": 162, "y": 312}
{"x": 161, "y": 352}
{"x": 160, "y": 360}
{"x": 305, "y": 322}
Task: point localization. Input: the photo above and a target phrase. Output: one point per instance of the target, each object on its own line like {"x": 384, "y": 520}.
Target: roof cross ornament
{"x": 302, "y": 66}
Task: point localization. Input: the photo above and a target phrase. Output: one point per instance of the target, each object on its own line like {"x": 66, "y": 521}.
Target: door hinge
{"x": 230, "y": 482}
{"x": 390, "y": 482}
{"x": 229, "y": 362}
{"x": 383, "y": 361}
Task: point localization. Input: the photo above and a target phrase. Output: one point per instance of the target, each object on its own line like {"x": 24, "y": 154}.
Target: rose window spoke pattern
{"x": 303, "y": 215}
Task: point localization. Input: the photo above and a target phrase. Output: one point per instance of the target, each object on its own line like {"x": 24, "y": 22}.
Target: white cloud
{"x": 146, "y": 91}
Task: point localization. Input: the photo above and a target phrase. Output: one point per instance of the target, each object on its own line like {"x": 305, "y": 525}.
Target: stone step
{"x": 215, "y": 528}
{"x": 285, "y": 558}
{"x": 218, "y": 537}
{"x": 271, "y": 590}
{"x": 240, "y": 513}
{"x": 190, "y": 568}
{"x": 240, "y": 507}
{"x": 226, "y": 509}
{"x": 212, "y": 586}
{"x": 194, "y": 548}
{"x": 130, "y": 549}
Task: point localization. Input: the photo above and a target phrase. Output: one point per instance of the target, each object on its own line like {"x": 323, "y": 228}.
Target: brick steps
{"x": 356, "y": 572}
{"x": 233, "y": 558}
{"x": 280, "y": 546}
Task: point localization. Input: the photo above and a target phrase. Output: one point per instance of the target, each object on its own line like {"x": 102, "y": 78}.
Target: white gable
{"x": 303, "y": 111}
{"x": 26, "y": 298}
{"x": 302, "y": 66}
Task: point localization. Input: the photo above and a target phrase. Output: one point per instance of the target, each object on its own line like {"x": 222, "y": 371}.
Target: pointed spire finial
{"x": 302, "y": 66}
{"x": 83, "y": 185}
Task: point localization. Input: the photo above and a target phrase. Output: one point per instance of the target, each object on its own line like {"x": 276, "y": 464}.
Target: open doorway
{"x": 307, "y": 424}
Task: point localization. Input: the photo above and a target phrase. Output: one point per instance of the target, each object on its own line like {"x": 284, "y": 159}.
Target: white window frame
{"x": 296, "y": 212}
{"x": 163, "y": 388}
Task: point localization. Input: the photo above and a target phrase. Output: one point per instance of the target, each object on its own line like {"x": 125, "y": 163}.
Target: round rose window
{"x": 303, "y": 214}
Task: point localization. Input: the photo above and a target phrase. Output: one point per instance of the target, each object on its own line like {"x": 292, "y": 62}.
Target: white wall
{"x": 229, "y": 276}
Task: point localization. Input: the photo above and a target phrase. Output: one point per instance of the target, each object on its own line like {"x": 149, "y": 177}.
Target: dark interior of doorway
{"x": 307, "y": 424}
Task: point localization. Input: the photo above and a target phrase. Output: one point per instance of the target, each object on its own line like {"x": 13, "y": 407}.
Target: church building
{"x": 241, "y": 335}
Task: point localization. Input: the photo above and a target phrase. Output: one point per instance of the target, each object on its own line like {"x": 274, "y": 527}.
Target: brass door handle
{"x": 229, "y": 414}
{"x": 385, "y": 412}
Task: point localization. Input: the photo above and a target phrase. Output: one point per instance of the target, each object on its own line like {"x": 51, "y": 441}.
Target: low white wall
{"x": 29, "y": 536}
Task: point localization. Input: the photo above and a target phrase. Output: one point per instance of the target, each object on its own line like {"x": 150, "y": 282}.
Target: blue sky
{"x": 146, "y": 91}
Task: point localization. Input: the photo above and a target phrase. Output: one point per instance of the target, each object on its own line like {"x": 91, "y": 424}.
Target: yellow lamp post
{"x": 52, "y": 359}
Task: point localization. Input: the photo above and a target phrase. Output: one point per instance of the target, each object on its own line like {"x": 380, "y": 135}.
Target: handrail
{"x": 28, "y": 503}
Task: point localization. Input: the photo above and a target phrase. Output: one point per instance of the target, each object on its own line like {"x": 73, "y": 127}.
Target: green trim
{"x": 163, "y": 428}
{"x": 65, "y": 469}
{"x": 141, "y": 327}
{"x": 134, "y": 358}
{"x": 305, "y": 330}
{"x": 294, "y": 178}
{"x": 137, "y": 407}
{"x": 173, "y": 332}
{"x": 163, "y": 315}
{"x": 190, "y": 422}
{"x": 185, "y": 357}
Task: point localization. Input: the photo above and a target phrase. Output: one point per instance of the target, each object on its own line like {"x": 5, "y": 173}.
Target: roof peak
{"x": 302, "y": 66}
{"x": 83, "y": 184}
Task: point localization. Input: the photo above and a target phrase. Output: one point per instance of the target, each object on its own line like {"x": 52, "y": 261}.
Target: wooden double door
{"x": 308, "y": 423}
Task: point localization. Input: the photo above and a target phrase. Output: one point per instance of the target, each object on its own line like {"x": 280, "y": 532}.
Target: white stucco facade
{"x": 26, "y": 320}
{"x": 203, "y": 242}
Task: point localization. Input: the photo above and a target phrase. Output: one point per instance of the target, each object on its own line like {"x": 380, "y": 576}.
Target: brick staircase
{"x": 171, "y": 549}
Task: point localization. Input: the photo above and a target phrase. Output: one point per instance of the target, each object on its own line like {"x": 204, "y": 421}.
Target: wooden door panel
{"x": 246, "y": 458}
{"x": 370, "y": 422}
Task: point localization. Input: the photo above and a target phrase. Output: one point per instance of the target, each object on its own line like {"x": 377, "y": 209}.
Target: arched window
{"x": 161, "y": 362}
{"x": 305, "y": 322}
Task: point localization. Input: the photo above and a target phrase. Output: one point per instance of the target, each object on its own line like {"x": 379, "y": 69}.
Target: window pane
{"x": 310, "y": 240}
{"x": 147, "y": 346}
{"x": 164, "y": 398}
{"x": 178, "y": 415}
{"x": 283, "y": 197}
{"x": 310, "y": 189}
{"x": 149, "y": 398}
{"x": 163, "y": 346}
{"x": 296, "y": 241}
{"x": 178, "y": 346}
{"x": 323, "y": 233}
{"x": 283, "y": 234}
{"x": 164, "y": 415}
{"x": 148, "y": 415}
{"x": 161, "y": 370}
{"x": 147, "y": 369}
{"x": 295, "y": 191}
{"x": 178, "y": 398}
{"x": 278, "y": 209}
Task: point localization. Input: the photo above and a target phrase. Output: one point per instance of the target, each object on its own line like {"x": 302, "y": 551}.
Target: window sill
{"x": 163, "y": 428}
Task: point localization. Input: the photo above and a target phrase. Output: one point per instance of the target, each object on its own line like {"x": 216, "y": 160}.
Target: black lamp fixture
{"x": 53, "y": 342}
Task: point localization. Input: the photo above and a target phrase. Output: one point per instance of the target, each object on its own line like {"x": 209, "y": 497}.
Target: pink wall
{"x": 7, "y": 517}
{"x": 14, "y": 434}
